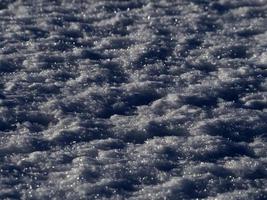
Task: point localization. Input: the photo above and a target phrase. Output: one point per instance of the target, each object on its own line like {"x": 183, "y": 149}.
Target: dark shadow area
{"x": 220, "y": 8}
{"x": 236, "y": 131}
{"x": 201, "y": 101}
{"x": 7, "y": 66}
{"x": 50, "y": 61}
{"x": 92, "y": 55}
{"x": 232, "y": 52}
{"x": 36, "y": 32}
{"x": 5, "y": 3}
{"x": 249, "y": 32}
{"x": 6, "y": 126}
{"x": 118, "y": 6}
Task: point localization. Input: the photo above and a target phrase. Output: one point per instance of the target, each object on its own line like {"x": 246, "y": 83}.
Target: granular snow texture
{"x": 136, "y": 99}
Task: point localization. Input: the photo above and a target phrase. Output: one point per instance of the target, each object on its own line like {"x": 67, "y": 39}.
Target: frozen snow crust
{"x": 133, "y": 99}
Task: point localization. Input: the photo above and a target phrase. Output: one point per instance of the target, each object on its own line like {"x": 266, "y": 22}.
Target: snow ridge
{"x": 133, "y": 99}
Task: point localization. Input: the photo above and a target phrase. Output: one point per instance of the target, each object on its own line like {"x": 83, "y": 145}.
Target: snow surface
{"x": 133, "y": 100}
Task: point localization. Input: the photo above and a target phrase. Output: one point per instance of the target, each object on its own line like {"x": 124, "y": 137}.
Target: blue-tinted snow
{"x": 133, "y": 99}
